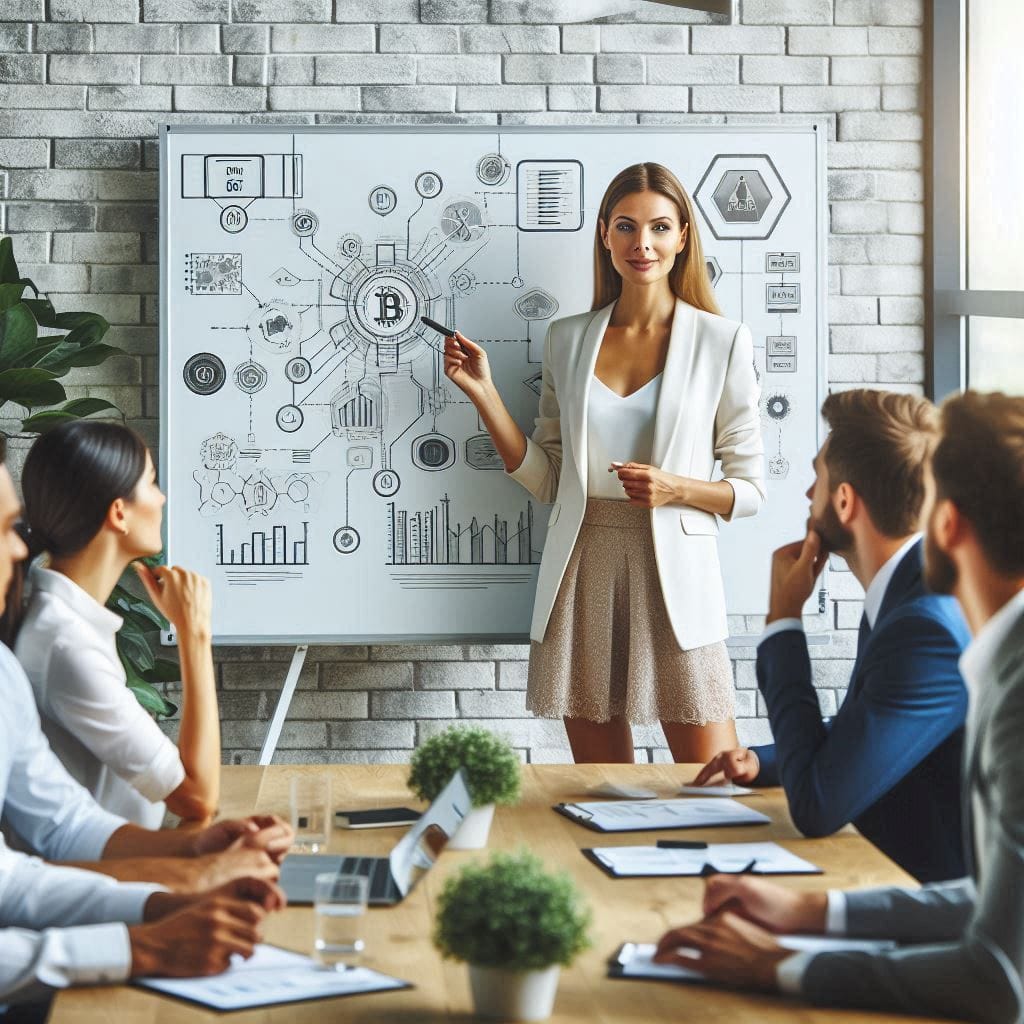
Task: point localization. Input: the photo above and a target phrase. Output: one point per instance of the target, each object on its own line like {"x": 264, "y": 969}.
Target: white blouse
{"x": 67, "y": 646}
{"x": 618, "y": 430}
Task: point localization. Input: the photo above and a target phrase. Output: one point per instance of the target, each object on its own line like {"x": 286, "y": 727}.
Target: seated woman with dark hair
{"x": 92, "y": 507}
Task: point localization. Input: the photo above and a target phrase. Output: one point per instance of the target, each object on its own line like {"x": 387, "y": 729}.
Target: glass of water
{"x": 339, "y": 905}
{"x": 310, "y": 804}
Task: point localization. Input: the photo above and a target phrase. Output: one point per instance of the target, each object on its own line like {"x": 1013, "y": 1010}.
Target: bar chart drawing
{"x": 428, "y": 537}
{"x": 265, "y": 548}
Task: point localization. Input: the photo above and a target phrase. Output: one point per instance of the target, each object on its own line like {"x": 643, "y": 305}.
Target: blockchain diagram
{"x": 328, "y": 431}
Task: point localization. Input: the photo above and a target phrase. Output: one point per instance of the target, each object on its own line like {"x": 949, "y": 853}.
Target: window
{"x": 977, "y": 210}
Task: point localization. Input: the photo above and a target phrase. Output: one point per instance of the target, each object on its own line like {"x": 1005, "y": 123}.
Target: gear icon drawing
{"x": 778, "y": 405}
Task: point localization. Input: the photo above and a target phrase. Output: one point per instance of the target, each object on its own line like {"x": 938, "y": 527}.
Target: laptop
{"x": 391, "y": 878}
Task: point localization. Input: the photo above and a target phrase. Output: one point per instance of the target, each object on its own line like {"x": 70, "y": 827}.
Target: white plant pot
{"x": 472, "y": 833}
{"x": 513, "y": 995}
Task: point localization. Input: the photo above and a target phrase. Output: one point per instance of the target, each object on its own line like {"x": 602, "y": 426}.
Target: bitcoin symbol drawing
{"x": 390, "y": 307}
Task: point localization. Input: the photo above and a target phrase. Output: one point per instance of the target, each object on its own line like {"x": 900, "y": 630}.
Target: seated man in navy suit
{"x": 889, "y": 761}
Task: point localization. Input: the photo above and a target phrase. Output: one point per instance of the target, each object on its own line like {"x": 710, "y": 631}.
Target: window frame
{"x": 949, "y": 302}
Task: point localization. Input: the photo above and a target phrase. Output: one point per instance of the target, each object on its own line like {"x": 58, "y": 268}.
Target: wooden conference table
{"x": 398, "y": 938}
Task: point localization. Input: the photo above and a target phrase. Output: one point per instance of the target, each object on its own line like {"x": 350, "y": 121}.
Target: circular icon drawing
{"x": 289, "y": 418}
{"x": 517, "y": 282}
{"x": 778, "y": 467}
{"x": 275, "y": 327}
{"x": 298, "y": 491}
{"x": 428, "y": 184}
{"x": 386, "y": 483}
{"x": 778, "y": 406}
{"x": 493, "y": 169}
{"x": 250, "y": 377}
{"x": 385, "y": 305}
{"x": 433, "y": 452}
{"x": 346, "y": 540}
{"x": 204, "y": 374}
{"x": 298, "y": 369}
{"x": 304, "y": 223}
{"x": 462, "y": 221}
{"x": 233, "y": 219}
{"x": 382, "y": 200}
{"x": 463, "y": 281}
{"x": 222, "y": 493}
{"x": 350, "y": 245}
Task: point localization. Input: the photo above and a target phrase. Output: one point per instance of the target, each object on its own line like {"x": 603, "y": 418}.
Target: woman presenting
{"x": 640, "y": 396}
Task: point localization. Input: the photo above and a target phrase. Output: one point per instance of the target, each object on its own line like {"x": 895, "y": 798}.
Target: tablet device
{"x": 377, "y": 817}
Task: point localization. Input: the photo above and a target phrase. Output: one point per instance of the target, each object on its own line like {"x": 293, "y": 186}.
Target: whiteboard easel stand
{"x": 283, "y": 703}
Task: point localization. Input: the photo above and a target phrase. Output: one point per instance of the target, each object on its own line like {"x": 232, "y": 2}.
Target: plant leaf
{"x": 43, "y": 311}
{"x": 30, "y": 386}
{"x": 10, "y": 294}
{"x": 152, "y": 700}
{"x": 163, "y": 671}
{"x": 8, "y": 264}
{"x": 76, "y": 409}
{"x": 64, "y": 357}
{"x": 18, "y": 335}
{"x": 133, "y": 646}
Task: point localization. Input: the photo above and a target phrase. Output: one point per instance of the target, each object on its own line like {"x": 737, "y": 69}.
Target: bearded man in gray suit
{"x": 961, "y": 950}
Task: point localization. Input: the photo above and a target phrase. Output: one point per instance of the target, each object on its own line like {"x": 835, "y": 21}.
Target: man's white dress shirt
{"x": 58, "y": 926}
{"x": 68, "y": 648}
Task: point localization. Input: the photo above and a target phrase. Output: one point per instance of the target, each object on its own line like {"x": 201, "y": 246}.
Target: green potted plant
{"x": 38, "y": 345}
{"x": 492, "y": 770}
{"x": 515, "y": 925}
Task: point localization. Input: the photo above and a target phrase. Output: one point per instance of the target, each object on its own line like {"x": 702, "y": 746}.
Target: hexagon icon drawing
{"x": 742, "y": 196}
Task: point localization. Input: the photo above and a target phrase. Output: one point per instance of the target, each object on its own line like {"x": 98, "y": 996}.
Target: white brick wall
{"x": 83, "y": 84}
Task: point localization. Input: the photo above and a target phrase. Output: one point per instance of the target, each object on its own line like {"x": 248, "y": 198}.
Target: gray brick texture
{"x": 84, "y": 85}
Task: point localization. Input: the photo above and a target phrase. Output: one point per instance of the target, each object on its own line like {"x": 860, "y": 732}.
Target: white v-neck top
{"x": 618, "y": 430}
{"x": 108, "y": 743}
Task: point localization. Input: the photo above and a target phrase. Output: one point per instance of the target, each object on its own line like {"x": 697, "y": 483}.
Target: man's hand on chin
{"x": 795, "y": 569}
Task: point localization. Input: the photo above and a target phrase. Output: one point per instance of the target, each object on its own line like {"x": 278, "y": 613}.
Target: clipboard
{"x": 751, "y": 865}
{"x": 733, "y": 814}
{"x": 272, "y": 977}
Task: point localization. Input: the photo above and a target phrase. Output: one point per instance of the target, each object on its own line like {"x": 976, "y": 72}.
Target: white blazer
{"x": 708, "y": 410}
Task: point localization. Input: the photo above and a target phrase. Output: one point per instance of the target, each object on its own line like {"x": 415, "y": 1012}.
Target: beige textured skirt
{"x": 609, "y": 650}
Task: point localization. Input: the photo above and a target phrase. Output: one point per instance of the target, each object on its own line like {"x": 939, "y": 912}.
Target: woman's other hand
{"x": 647, "y": 486}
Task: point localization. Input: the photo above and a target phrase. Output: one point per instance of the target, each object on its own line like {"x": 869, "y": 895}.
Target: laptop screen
{"x": 418, "y": 849}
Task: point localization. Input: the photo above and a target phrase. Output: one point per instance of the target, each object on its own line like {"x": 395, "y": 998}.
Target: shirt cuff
{"x": 835, "y": 915}
{"x": 163, "y": 775}
{"x": 789, "y": 973}
{"x": 92, "y": 954}
{"x": 532, "y": 470}
{"x": 780, "y": 626}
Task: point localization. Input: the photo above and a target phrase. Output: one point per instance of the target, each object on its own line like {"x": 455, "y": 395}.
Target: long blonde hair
{"x": 688, "y": 277}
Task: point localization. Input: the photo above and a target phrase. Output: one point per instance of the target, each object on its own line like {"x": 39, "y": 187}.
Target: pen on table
{"x": 680, "y": 844}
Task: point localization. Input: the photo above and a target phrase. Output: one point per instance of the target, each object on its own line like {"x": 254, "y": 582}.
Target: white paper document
{"x": 724, "y": 789}
{"x": 272, "y": 975}
{"x": 618, "y": 791}
{"x": 636, "y": 959}
{"x": 636, "y": 815}
{"x": 733, "y": 858}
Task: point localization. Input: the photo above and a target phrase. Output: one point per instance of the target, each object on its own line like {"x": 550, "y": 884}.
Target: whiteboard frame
{"x": 821, "y": 274}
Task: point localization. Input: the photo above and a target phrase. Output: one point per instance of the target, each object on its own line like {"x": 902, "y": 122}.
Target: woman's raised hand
{"x": 466, "y": 366}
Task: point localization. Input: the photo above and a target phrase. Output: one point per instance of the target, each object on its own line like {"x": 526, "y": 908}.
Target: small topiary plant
{"x": 512, "y": 914}
{"x": 492, "y": 766}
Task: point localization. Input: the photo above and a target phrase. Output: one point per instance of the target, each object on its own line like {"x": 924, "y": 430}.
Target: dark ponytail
{"x": 72, "y": 475}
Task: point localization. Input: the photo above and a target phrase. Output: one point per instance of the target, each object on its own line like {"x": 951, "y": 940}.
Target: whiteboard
{"x": 320, "y": 469}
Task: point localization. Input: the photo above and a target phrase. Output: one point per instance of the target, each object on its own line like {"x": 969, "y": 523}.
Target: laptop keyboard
{"x": 378, "y": 871}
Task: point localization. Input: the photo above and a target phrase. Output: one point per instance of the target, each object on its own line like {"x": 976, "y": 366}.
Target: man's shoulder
{"x": 925, "y": 615}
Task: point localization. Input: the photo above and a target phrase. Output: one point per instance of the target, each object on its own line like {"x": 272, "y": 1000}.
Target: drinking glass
{"x": 339, "y": 905}
{"x": 310, "y": 804}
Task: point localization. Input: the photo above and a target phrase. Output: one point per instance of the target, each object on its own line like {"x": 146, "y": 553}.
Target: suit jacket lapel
{"x": 678, "y": 370}
{"x": 586, "y": 360}
{"x": 906, "y": 578}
